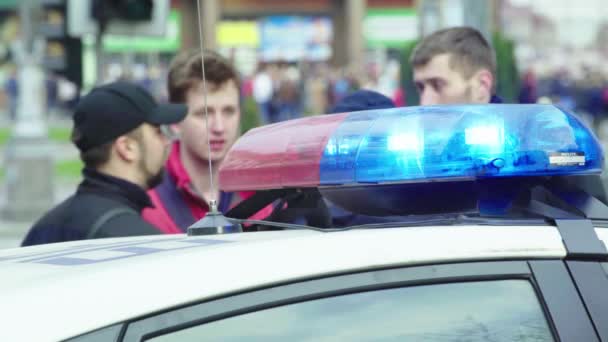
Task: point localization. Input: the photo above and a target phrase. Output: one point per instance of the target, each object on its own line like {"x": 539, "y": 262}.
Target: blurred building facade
{"x": 337, "y": 26}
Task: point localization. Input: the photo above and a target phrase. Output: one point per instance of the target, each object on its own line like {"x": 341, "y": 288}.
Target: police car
{"x": 464, "y": 223}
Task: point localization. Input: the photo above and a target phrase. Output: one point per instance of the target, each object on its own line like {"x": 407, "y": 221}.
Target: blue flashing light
{"x": 453, "y": 142}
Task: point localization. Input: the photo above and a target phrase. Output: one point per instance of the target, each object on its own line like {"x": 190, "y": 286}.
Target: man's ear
{"x": 126, "y": 148}
{"x": 484, "y": 80}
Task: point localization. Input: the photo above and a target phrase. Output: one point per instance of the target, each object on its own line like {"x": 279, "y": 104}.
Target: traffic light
{"x": 126, "y": 10}
{"x": 73, "y": 69}
{"x": 63, "y": 54}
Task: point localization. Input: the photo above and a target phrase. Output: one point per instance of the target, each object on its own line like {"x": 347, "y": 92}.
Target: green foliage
{"x": 308, "y": 112}
{"x": 407, "y": 75}
{"x": 69, "y": 169}
{"x": 507, "y": 74}
{"x": 56, "y": 134}
{"x": 60, "y": 134}
{"x": 5, "y": 134}
{"x": 249, "y": 115}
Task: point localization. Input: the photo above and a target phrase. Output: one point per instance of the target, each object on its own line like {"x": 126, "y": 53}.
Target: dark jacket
{"x": 112, "y": 205}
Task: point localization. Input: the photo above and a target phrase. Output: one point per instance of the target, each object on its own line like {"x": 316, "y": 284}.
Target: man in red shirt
{"x": 183, "y": 196}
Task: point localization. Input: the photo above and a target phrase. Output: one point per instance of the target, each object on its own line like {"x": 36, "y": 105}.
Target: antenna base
{"x": 213, "y": 223}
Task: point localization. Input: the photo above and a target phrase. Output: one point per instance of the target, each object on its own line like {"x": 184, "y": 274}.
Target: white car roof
{"x": 56, "y": 291}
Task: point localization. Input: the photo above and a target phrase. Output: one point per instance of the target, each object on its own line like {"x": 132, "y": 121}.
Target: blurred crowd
{"x": 587, "y": 95}
{"x": 282, "y": 90}
{"x": 61, "y": 94}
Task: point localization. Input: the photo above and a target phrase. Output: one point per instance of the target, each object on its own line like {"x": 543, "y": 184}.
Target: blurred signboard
{"x": 293, "y": 38}
{"x": 238, "y": 33}
{"x": 390, "y": 27}
{"x": 8, "y": 4}
{"x": 169, "y": 42}
{"x": 235, "y": 8}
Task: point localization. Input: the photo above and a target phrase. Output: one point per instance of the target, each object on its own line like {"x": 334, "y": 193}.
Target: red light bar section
{"x": 285, "y": 154}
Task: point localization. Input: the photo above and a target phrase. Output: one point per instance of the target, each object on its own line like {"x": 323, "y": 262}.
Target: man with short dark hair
{"x": 454, "y": 66}
{"x": 117, "y": 128}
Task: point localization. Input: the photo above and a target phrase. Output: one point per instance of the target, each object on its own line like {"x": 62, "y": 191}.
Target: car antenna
{"x": 214, "y": 221}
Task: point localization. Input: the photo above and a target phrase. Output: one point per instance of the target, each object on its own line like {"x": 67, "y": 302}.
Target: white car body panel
{"x": 48, "y": 294}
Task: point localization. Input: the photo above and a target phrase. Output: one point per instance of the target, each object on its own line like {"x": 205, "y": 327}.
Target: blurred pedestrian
{"x": 117, "y": 130}
{"x": 453, "y": 66}
{"x": 67, "y": 94}
{"x": 263, "y": 91}
{"x": 528, "y": 89}
{"x": 51, "y": 85}
{"x": 287, "y": 97}
{"x": 11, "y": 88}
{"x": 316, "y": 89}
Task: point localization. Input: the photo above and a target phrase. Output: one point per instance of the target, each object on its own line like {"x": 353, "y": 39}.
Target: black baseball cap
{"x": 362, "y": 100}
{"x": 117, "y": 108}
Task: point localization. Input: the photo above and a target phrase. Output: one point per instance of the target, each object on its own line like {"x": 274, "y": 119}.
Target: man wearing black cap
{"x": 362, "y": 100}
{"x": 117, "y": 128}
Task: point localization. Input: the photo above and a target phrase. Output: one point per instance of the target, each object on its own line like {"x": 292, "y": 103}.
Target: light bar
{"x": 412, "y": 144}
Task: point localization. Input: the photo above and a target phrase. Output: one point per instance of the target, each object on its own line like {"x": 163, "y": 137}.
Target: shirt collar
{"x": 176, "y": 168}
{"x": 121, "y": 189}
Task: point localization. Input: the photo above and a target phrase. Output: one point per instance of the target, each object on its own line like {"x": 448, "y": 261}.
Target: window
{"x": 502, "y": 310}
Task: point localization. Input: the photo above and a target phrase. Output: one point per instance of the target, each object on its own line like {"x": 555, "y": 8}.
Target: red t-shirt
{"x": 160, "y": 217}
